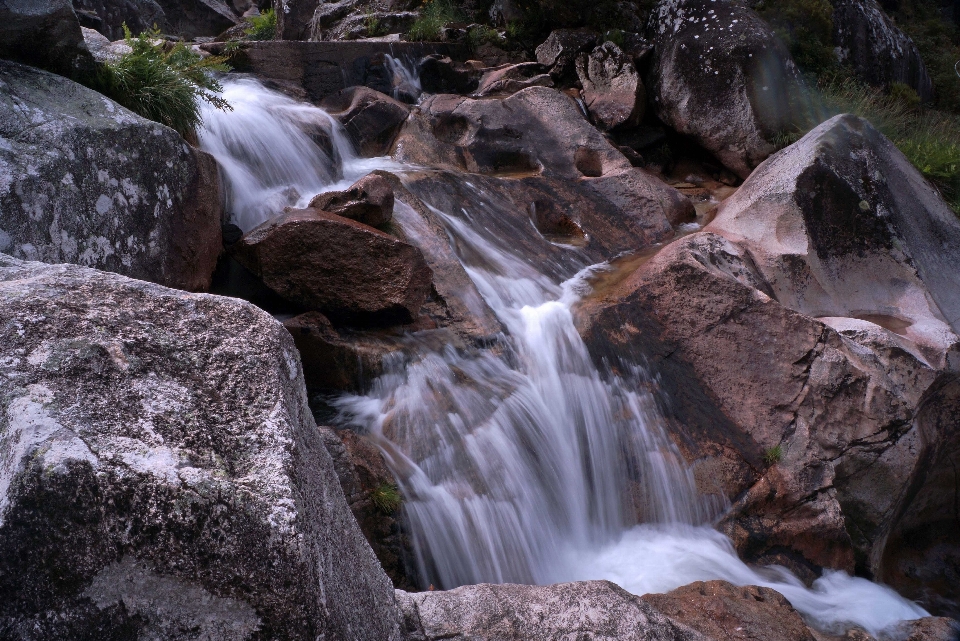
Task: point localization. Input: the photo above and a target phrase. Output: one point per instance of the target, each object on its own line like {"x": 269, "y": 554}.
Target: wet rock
{"x": 511, "y": 79}
{"x": 345, "y": 269}
{"x": 190, "y": 19}
{"x": 878, "y": 51}
{"x": 138, "y": 15}
{"x": 372, "y": 119}
{"x": 368, "y": 201}
{"x": 929, "y": 629}
{"x": 440, "y": 74}
{"x": 720, "y": 76}
{"x": 725, "y": 612}
{"x": 86, "y": 181}
{"x": 163, "y": 475}
{"x": 832, "y": 321}
{"x": 43, "y": 33}
{"x": 337, "y": 359}
{"x": 559, "y": 51}
{"x": 612, "y": 89}
{"x": 591, "y": 609}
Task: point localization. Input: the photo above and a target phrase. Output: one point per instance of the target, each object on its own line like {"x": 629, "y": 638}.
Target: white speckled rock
{"x": 83, "y": 180}
{"x": 595, "y": 610}
{"x": 161, "y": 475}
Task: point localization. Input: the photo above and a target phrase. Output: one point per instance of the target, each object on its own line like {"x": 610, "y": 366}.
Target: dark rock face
{"x": 138, "y": 15}
{"x": 877, "y": 50}
{"x": 612, "y": 89}
{"x": 372, "y": 119}
{"x": 43, "y": 33}
{"x": 720, "y": 75}
{"x": 192, "y": 18}
{"x": 162, "y": 475}
{"x": 726, "y": 612}
{"x": 559, "y": 51}
{"x": 440, "y": 74}
{"x": 838, "y": 348}
{"x": 345, "y": 269}
{"x": 83, "y": 180}
{"x": 368, "y": 201}
{"x": 590, "y": 609}
{"x": 295, "y": 16}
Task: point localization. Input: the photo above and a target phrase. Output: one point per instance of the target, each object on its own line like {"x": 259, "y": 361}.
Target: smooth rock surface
{"x": 368, "y": 201}
{"x": 720, "y": 76}
{"x": 612, "y": 89}
{"x": 345, "y": 269}
{"x": 372, "y": 119}
{"x": 43, "y": 33}
{"x": 511, "y": 79}
{"x": 595, "y": 610}
{"x": 192, "y": 18}
{"x": 162, "y": 476}
{"x": 83, "y": 180}
{"x": 138, "y": 15}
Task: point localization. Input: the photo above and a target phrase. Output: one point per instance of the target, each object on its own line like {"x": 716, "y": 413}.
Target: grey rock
{"x": 162, "y": 476}
{"x": 190, "y": 19}
{"x": 612, "y": 89}
{"x": 560, "y": 50}
{"x": 101, "y": 48}
{"x": 596, "y": 610}
{"x": 368, "y": 201}
{"x": 83, "y": 180}
{"x": 138, "y": 15}
{"x": 720, "y": 76}
{"x": 510, "y": 79}
{"x": 879, "y": 52}
{"x": 43, "y": 33}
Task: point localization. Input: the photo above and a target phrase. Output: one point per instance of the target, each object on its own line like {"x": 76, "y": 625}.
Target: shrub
{"x": 806, "y": 26}
{"x": 262, "y": 27}
{"x": 434, "y": 16}
{"x": 162, "y": 81}
{"x": 386, "y": 498}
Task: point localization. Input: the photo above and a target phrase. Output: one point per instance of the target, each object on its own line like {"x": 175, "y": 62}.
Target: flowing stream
{"x": 523, "y": 462}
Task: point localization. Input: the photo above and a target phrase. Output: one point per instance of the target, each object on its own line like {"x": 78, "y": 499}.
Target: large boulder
{"x": 296, "y": 17}
{"x": 368, "y": 201}
{"x": 83, "y": 180}
{"x": 879, "y": 53}
{"x": 162, "y": 475}
{"x": 138, "y": 15}
{"x": 721, "y": 76}
{"x": 372, "y": 119}
{"x": 807, "y": 344}
{"x": 190, "y": 19}
{"x": 345, "y": 269}
{"x": 597, "y": 610}
{"x": 560, "y": 50}
{"x": 43, "y": 33}
{"x": 612, "y": 89}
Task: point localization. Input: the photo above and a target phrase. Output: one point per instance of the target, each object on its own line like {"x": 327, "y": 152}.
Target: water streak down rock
{"x": 162, "y": 476}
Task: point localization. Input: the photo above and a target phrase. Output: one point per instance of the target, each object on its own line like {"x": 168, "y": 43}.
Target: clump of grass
{"x": 373, "y": 26}
{"x": 773, "y": 455}
{"x": 435, "y": 15}
{"x": 386, "y": 498}
{"x": 262, "y": 27}
{"x": 162, "y": 81}
{"x": 481, "y": 34}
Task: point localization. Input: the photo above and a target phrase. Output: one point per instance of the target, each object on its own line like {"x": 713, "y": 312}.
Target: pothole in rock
{"x": 555, "y": 225}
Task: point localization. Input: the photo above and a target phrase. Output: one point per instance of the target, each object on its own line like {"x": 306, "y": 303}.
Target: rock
{"x": 294, "y": 17}
{"x": 368, "y": 485}
{"x": 596, "y": 610}
{"x": 511, "y": 79}
{"x": 725, "y": 612}
{"x": 86, "y": 181}
{"x": 828, "y": 319}
{"x": 337, "y": 360}
{"x": 372, "y": 119}
{"x": 368, "y": 201}
{"x": 720, "y": 76}
{"x": 101, "y": 48}
{"x": 347, "y": 270}
{"x": 43, "y": 33}
{"x": 439, "y": 74}
{"x": 929, "y": 629}
{"x": 358, "y": 25}
{"x": 163, "y": 476}
{"x": 138, "y": 15}
{"x": 190, "y": 19}
{"x": 612, "y": 89}
{"x": 878, "y": 52}
{"x": 560, "y": 50}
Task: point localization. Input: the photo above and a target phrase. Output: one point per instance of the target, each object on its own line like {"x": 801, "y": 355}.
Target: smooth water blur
{"x": 275, "y": 152}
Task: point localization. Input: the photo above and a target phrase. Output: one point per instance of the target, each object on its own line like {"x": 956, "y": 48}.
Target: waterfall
{"x": 521, "y": 462}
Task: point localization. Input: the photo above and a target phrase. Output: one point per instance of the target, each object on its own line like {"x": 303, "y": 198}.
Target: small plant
{"x": 435, "y": 15}
{"x": 616, "y": 36}
{"x": 773, "y": 455}
{"x": 162, "y": 81}
{"x": 373, "y": 26}
{"x": 386, "y": 498}
{"x": 480, "y": 35}
{"x": 262, "y": 27}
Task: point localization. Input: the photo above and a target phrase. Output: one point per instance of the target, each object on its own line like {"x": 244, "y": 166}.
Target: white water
{"x": 520, "y": 463}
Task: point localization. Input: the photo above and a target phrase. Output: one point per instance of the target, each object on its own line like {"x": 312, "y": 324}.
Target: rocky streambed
{"x": 413, "y": 346}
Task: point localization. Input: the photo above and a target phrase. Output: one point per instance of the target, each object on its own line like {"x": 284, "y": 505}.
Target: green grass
{"x": 262, "y": 27}
{"x": 773, "y": 455}
{"x": 806, "y": 27}
{"x": 435, "y": 15}
{"x": 386, "y": 498}
{"x": 162, "y": 81}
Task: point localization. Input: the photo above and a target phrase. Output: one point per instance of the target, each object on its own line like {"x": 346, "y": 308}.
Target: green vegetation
{"x": 773, "y": 455}
{"x": 262, "y": 27}
{"x": 373, "y": 26}
{"x": 806, "y": 27}
{"x": 435, "y": 15}
{"x": 386, "y": 498}
{"x": 162, "y": 81}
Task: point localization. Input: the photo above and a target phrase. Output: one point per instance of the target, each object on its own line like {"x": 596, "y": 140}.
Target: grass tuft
{"x": 435, "y": 15}
{"x": 262, "y": 27}
{"x": 386, "y": 498}
{"x": 773, "y": 455}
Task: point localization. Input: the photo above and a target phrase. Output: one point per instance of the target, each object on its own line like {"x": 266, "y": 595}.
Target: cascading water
{"x": 522, "y": 462}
